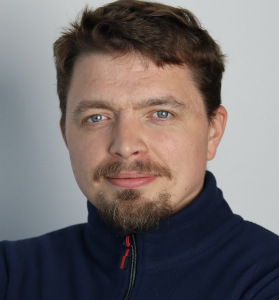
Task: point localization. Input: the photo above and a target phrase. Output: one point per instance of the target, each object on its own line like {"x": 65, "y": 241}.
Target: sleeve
{"x": 270, "y": 292}
{"x": 3, "y": 273}
{"x": 265, "y": 289}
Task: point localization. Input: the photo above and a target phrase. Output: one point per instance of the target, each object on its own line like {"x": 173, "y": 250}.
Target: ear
{"x": 63, "y": 132}
{"x": 216, "y": 131}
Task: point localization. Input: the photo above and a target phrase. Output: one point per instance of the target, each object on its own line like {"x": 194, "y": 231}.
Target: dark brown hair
{"x": 161, "y": 33}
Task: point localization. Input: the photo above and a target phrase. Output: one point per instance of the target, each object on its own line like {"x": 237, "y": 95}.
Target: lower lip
{"x": 131, "y": 183}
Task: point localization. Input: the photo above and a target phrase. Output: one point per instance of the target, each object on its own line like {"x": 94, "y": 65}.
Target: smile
{"x": 131, "y": 180}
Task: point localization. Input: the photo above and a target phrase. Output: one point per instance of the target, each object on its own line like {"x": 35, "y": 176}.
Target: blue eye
{"x": 162, "y": 114}
{"x": 96, "y": 118}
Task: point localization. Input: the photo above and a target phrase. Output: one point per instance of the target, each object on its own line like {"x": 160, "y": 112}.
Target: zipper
{"x": 130, "y": 244}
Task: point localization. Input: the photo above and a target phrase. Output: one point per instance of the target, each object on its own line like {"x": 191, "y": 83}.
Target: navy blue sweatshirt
{"x": 202, "y": 252}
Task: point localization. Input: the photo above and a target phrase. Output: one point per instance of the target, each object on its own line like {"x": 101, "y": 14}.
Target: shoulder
{"x": 254, "y": 245}
{"x": 34, "y": 258}
{"x": 12, "y": 252}
{"x": 258, "y": 250}
{"x": 258, "y": 239}
{"x": 50, "y": 237}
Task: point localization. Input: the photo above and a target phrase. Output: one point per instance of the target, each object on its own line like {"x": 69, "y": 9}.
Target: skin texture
{"x": 141, "y": 113}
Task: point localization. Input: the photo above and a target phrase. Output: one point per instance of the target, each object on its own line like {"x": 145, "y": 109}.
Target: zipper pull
{"x": 125, "y": 259}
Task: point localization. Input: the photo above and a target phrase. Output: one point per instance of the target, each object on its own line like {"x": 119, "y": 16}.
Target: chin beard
{"x": 129, "y": 212}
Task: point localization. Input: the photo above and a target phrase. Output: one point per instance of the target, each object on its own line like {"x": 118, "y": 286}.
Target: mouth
{"x": 131, "y": 180}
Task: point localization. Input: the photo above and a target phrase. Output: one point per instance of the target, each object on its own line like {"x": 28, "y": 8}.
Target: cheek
{"x": 177, "y": 145}
{"x": 85, "y": 154}
{"x": 183, "y": 151}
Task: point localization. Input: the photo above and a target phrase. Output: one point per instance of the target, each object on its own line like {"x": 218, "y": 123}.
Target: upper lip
{"x": 126, "y": 175}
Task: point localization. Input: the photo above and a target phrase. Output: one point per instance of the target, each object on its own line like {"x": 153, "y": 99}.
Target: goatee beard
{"x": 130, "y": 213}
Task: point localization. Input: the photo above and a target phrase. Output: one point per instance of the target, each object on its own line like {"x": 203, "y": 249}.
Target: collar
{"x": 194, "y": 229}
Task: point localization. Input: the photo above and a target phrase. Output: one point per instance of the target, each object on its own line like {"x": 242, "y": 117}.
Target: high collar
{"x": 189, "y": 232}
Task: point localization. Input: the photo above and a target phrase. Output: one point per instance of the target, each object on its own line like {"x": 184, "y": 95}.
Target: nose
{"x": 128, "y": 140}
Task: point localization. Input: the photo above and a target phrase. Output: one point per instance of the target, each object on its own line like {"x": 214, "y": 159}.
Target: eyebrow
{"x": 168, "y": 101}
{"x": 85, "y": 105}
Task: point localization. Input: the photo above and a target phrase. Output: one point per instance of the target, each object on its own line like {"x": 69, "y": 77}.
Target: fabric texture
{"x": 202, "y": 252}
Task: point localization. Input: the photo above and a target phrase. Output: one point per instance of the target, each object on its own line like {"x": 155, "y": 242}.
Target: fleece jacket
{"x": 203, "y": 252}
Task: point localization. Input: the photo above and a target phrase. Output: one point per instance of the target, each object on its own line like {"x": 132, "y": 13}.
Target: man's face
{"x": 138, "y": 137}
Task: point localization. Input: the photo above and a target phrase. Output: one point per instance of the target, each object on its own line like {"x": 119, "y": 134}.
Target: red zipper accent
{"x": 124, "y": 257}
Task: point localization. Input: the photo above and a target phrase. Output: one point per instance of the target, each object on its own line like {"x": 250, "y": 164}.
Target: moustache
{"x": 114, "y": 168}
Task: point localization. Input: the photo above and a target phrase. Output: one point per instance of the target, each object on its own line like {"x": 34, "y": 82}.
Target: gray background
{"x": 37, "y": 190}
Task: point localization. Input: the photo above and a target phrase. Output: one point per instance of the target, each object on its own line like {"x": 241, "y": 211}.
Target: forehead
{"x": 129, "y": 78}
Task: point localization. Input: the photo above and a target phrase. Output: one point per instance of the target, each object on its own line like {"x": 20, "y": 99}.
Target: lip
{"x": 131, "y": 180}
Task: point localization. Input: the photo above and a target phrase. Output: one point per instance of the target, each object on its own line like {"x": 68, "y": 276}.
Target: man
{"x": 139, "y": 87}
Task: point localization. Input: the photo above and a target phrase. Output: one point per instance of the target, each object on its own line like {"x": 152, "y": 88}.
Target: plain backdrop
{"x": 38, "y": 192}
